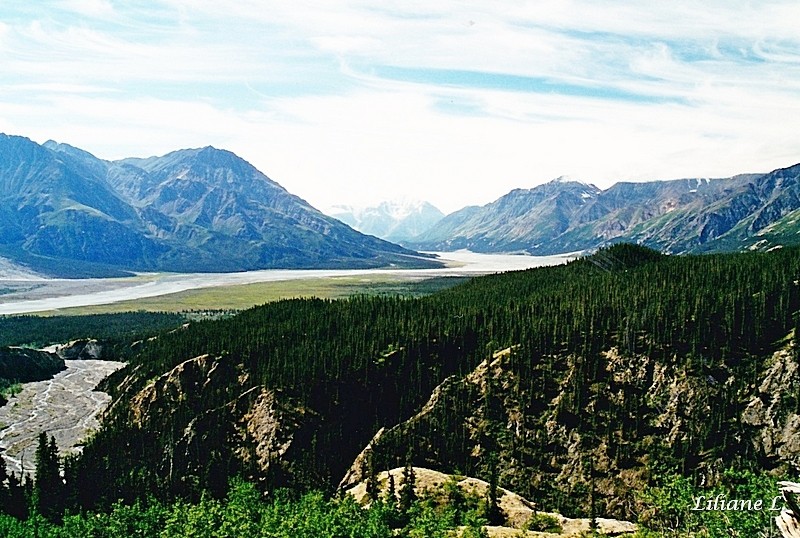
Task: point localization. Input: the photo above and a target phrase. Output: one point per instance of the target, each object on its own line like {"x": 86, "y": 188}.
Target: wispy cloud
{"x": 356, "y": 101}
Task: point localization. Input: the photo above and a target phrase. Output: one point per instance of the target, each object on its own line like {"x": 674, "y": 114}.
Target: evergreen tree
{"x": 5, "y": 493}
{"x": 592, "y": 507}
{"x": 17, "y": 504}
{"x": 391, "y": 492}
{"x": 408, "y": 496}
{"x": 494, "y": 514}
{"x": 371, "y": 477}
{"x": 48, "y": 489}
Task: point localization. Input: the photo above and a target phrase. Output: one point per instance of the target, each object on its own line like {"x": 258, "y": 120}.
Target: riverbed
{"x": 65, "y": 407}
{"x": 21, "y": 296}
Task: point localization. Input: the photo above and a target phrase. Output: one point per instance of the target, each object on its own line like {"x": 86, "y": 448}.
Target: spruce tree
{"x": 407, "y": 494}
{"x": 48, "y": 489}
{"x": 371, "y": 477}
{"x": 494, "y": 514}
{"x": 5, "y": 494}
{"x": 391, "y": 491}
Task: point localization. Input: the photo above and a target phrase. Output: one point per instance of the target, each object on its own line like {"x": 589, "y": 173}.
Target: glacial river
{"x": 66, "y": 407}
{"x": 23, "y": 296}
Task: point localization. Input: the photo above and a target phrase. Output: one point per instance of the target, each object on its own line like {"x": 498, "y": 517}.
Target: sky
{"x": 453, "y": 102}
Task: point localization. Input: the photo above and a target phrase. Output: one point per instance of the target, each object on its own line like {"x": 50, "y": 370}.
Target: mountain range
{"x": 66, "y": 212}
{"x": 396, "y": 220}
{"x": 748, "y": 211}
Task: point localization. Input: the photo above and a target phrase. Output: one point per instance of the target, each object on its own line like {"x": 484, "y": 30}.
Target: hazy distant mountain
{"x": 66, "y": 212}
{"x": 395, "y": 221}
{"x": 749, "y": 211}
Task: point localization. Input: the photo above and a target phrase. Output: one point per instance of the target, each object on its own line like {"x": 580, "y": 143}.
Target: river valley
{"x": 28, "y": 295}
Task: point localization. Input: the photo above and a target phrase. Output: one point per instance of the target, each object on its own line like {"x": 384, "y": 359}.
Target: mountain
{"x": 56, "y": 208}
{"x": 520, "y": 220}
{"x": 748, "y": 211}
{"x": 395, "y": 221}
{"x": 67, "y": 212}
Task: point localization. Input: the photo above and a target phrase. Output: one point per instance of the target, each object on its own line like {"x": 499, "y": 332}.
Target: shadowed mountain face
{"x": 750, "y": 211}
{"x": 66, "y": 212}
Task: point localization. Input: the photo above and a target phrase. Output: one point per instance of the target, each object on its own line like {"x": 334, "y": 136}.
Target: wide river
{"x": 33, "y": 294}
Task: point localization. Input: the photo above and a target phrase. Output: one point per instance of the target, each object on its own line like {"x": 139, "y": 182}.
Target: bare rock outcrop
{"x": 543, "y": 436}
{"x": 789, "y": 519}
{"x": 83, "y": 349}
{"x": 517, "y": 509}
{"x": 773, "y": 411}
{"x": 251, "y": 430}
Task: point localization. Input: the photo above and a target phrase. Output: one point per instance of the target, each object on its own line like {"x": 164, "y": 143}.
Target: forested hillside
{"x": 625, "y": 364}
{"x": 578, "y": 386}
{"x": 40, "y": 331}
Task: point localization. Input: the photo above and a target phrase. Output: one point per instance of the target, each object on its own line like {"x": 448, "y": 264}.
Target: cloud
{"x": 357, "y": 101}
{"x": 90, "y": 8}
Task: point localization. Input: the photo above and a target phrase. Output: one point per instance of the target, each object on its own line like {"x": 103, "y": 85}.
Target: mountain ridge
{"x": 68, "y": 213}
{"x": 674, "y": 216}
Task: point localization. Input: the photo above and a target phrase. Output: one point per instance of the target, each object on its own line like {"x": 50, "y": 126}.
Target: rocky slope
{"x": 517, "y": 510}
{"x": 750, "y": 211}
{"x": 674, "y": 404}
{"x": 259, "y": 426}
{"x": 775, "y": 421}
{"x": 64, "y": 211}
{"x": 21, "y": 365}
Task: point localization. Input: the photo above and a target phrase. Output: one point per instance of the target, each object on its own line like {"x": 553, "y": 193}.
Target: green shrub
{"x": 543, "y": 523}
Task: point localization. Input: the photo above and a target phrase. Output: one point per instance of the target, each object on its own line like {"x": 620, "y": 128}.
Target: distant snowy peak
{"x": 403, "y": 209}
{"x": 566, "y": 179}
{"x": 570, "y": 179}
{"x": 394, "y": 220}
{"x": 345, "y": 213}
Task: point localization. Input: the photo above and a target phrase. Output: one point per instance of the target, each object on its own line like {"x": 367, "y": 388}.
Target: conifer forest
{"x": 623, "y": 384}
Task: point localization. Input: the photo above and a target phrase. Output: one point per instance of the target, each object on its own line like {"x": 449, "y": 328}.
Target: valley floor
{"x": 46, "y": 295}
